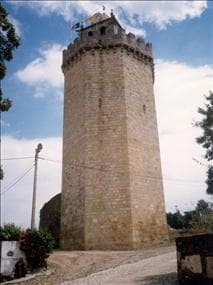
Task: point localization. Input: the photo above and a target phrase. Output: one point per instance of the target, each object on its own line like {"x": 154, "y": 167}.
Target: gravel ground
{"x": 72, "y": 265}
{"x": 154, "y": 270}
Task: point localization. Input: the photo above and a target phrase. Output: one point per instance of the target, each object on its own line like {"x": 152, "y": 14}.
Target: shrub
{"x": 37, "y": 245}
{"x": 175, "y": 220}
{"x": 199, "y": 220}
{"x": 10, "y": 232}
{"x": 203, "y": 221}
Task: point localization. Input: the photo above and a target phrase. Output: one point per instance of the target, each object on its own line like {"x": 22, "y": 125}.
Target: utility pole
{"x": 37, "y": 150}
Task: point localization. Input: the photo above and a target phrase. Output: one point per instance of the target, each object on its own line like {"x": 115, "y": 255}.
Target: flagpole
{"x": 70, "y": 27}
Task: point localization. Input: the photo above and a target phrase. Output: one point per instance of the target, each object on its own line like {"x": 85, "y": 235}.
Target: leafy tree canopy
{"x": 206, "y": 140}
{"x": 199, "y": 218}
{"x": 8, "y": 42}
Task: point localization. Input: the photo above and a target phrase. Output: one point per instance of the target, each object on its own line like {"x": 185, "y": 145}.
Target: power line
{"x": 17, "y": 180}
{"x": 17, "y": 158}
{"x": 145, "y": 177}
{"x": 142, "y": 176}
{"x": 201, "y": 163}
{"x": 13, "y": 180}
{"x": 99, "y": 169}
{"x": 48, "y": 159}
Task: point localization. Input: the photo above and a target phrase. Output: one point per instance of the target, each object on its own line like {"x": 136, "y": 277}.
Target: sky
{"x": 182, "y": 39}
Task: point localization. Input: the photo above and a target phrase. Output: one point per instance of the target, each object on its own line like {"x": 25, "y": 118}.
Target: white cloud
{"x": 179, "y": 90}
{"x": 17, "y": 201}
{"x": 162, "y": 13}
{"x": 46, "y": 8}
{"x": 131, "y": 13}
{"x": 44, "y": 72}
{"x": 135, "y": 31}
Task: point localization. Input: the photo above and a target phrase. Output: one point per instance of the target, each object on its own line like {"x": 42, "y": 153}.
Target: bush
{"x": 203, "y": 221}
{"x": 175, "y": 220}
{"x": 10, "y": 232}
{"x": 200, "y": 219}
{"x": 37, "y": 245}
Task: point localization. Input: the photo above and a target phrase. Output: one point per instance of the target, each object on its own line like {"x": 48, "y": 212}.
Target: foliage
{"x": 175, "y": 220}
{"x": 37, "y": 245}
{"x": 206, "y": 140}
{"x": 8, "y": 42}
{"x": 1, "y": 173}
{"x": 209, "y": 180}
{"x": 200, "y": 219}
{"x": 203, "y": 221}
{"x": 10, "y": 232}
{"x": 202, "y": 205}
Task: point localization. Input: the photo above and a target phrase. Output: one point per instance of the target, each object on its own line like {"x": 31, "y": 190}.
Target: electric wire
{"x": 145, "y": 177}
{"x": 14, "y": 179}
{"x": 18, "y": 179}
{"x": 17, "y": 158}
{"x": 49, "y": 159}
{"x": 148, "y": 177}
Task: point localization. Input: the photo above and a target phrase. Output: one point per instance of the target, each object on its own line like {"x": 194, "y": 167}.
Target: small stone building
{"x": 50, "y": 218}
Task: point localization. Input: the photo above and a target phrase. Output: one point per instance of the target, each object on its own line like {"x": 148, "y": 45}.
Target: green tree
{"x": 206, "y": 140}
{"x": 175, "y": 220}
{"x": 202, "y": 205}
{"x": 8, "y": 42}
{"x": 1, "y": 173}
{"x": 10, "y": 232}
{"x": 199, "y": 219}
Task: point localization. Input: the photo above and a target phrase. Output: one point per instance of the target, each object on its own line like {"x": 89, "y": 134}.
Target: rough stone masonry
{"x": 112, "y": 193}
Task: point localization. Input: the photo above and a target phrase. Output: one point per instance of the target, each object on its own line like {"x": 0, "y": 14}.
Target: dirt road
{"x": 72, "y": 265}
{"x": 154, "y": 270}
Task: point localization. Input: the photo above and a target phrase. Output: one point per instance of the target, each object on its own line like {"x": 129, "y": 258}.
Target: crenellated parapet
{"x": 107, "y": 35}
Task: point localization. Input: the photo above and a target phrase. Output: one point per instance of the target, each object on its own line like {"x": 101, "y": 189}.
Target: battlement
{"x": 107, "y": 34}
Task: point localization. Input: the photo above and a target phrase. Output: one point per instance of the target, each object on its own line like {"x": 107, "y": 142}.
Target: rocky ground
{"x": 150, "y": 266}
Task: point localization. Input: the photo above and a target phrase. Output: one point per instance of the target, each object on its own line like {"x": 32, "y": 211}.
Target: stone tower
{"x": 112, "y": 194}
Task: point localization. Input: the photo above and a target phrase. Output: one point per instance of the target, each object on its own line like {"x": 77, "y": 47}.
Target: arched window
{"x": 103, "y": 30}
{"x": 90, "y": 33}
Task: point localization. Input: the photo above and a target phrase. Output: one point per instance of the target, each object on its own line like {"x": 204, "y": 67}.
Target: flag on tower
{"x": 76, "y": 26}
{"x": 95, "y": 18}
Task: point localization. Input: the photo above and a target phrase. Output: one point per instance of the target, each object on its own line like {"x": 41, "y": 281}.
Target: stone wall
{"x": 96, "y": 181}
{"x": 147, "y": 198}
{"x": 195, "y": 259}
{"x": 50, "y": 217}
{"x": 112, "y": 195}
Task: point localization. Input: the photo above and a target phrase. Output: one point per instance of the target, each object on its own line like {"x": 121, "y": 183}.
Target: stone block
{"x": 192, "y": 263}
{"x": 209, "y": 266}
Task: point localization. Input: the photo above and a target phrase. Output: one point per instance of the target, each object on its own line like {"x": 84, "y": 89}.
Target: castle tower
{"x": 112, "y": 193}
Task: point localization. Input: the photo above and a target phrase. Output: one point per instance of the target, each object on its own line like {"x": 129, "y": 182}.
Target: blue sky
{"x": 182, "y": 39}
